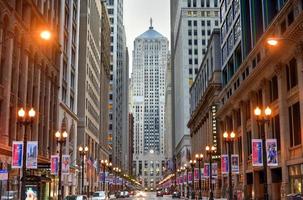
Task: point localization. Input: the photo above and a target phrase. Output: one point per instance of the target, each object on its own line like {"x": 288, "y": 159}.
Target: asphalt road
{"x": 149, "y": 196}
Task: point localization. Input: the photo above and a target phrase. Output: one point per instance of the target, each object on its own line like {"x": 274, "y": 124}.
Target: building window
{"x": 196, "y": 61}
{"x": 189, "y": 42}
{"x": 64, "y": 94}
{"x": 196, "y": 52}
{"x": 202, "y": 3}
{"x": 207, "y": 3}
{"x": 273, "y": 87}
{"x": 208, "y": 22}
{"x": 189, "y": 32}
{"x": 71, "y": 102}
{"x": 190, "y": 71}
{"x": 292, "y": 74}
{"x": 215, "y": 3}
{"x": 188, "y": 3}
{"x": 189, "y": 22}
{"x": 190, "y": 52}
{"x": 195, "y": 42}
{"x": 195, "y": 23}
{"x": 203, "y": 32}
{"x": 275, "y": 125}
{"x": 195, "y": 32}
{"x": 190, "y": 61}
{"x": 294, "y": 124}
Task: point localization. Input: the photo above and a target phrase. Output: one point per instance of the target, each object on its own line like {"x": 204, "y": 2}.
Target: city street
{"x": 149, "y": 196}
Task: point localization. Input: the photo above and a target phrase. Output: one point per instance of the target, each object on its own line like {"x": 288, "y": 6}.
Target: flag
{"x": 272, "y": 152}
{"x": 17, "y": 153}
{"x": 95, "y": 164}
{"x": 224, "y": 164}
{"x": 32, "y": 155}
{"x": 235, "y": 163}
{"x": 257, "y": 152}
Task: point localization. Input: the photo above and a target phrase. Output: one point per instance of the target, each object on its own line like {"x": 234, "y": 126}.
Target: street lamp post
{"x": 82, "y": 152}
{"x": 187, "y": 185}
{"x": 262, "y": 119}
{"x": 25, "y": 118}
{"x": 199, "y": 158}
{"x": 192, "y": 164}
{"x": 229, "y": 139}
{"x": 61, "y": 140}
{"x": 182, "y": 170}
{"x": 105, "y": 164}
{"x": 210, "y": 151}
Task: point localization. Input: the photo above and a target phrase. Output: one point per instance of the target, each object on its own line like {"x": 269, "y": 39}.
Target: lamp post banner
{"x": 235, "y": 164}
{"x": 17, "y": 153}
{"x": 206, "y": 170}
{"x": 224, "y": 164}
{"x": 54, "y": 164}
{"x": 214, "y": 170}
{"x": 189, "y": 177}
{"x": 32, "y": 155}
{"x": 196, "y": 174}
{"x": 272, "y": 152}
{"x": 257, "y": 158}
{"x": 65, "y": 164}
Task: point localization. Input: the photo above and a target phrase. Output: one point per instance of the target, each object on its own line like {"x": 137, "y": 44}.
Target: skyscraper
{"x": 118, "y": 113}
{"x": 89, "y": 79}
{"x": 192, "y": 22}
{"x": 68, "y": 120}
{"x": 150, "y": 57}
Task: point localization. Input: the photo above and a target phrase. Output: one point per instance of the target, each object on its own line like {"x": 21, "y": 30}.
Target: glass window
{"x": 294, "y": 124}
{"x": 273, "y": 87}
{"x": 292, "y": 74}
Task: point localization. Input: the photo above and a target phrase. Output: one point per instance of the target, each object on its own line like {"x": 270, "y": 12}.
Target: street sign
{"x": 3, "y": 175}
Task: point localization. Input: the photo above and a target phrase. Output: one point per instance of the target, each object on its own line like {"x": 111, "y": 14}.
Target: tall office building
{"x": 68, "y": 120}
{"x": 118, "y": 114}
{"x": 89, "y": 83}
{"x": 192, "y": 22}
{"x": 150, "y": 58}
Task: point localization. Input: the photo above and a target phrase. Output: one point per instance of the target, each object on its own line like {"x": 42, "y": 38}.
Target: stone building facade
{"x": 269, "y": 76}
{"x": 29, "y": 77}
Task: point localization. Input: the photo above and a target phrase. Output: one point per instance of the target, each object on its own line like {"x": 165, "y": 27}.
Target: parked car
{"x": 119, "y": 194}
{"x": 159, "y": 193}
{"x": 176, "y": 194}
{"x": 125, "y": 194}
{"x": 76, "y": 197}
{"x": 9, "y": 195}
{"x": 99, "y": 195}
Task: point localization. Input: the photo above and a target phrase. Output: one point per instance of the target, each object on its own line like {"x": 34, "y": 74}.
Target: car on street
{"x": 76, "y": 197}
{"x": 99, "y": 195}
{"x": 176, "y": 194}
{"x": 9, "y": 195}
{"x": 159, "y": 193}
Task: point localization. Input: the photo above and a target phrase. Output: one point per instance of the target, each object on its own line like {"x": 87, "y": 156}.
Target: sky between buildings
{"x": 137, "y": 14}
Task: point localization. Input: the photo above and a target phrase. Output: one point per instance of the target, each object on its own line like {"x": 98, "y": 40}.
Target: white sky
{"x": 137, "y": 14}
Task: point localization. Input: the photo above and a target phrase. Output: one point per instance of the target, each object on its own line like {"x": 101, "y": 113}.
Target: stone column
{"x": 284, "y": 126}
{"x": 244, "y": 148}
{"x": 7, "y": 75}
{"x": 267, "y": 128}
{"x": 254, "y": 133}
{"x": 299, "y": 58}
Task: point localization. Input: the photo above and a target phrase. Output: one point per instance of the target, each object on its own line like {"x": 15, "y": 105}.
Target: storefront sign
{"x": 224, "y": 164}
{"x": 257, "y": 152}
{"x": 32, "y": 155}
{"x": 65, "y": 164}
{"x": 235, "y": 164}
{"x": 17, "y": 154}
{"x": 54, "y": 164}
{"x": 272, "y": 152}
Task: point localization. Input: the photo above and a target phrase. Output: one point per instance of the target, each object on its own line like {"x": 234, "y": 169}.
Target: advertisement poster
{"x": 214, "y": 170}
{"x": 32, "y": 155}
{"x": 206, "y": 170}
{"x": 17, "y": 152}
{"x": 190, "y": 177}
{"x": 54, "y": 164}
{"x": 257, "y": 160}
{"x": 235, "y": 164}
{"x": 272, "y": 152}
{"x": 224, "y": 164}
{"x": 65, "y": 164}
{"x": 196, "y": 174}
{"x": 31, "y": 192}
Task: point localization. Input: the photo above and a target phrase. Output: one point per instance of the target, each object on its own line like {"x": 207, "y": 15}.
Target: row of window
{"x": 191, "y": 23}
{"x": 202, "y": 3}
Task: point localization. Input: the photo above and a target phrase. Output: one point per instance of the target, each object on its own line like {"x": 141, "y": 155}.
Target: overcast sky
{"x": 137, "y": 14}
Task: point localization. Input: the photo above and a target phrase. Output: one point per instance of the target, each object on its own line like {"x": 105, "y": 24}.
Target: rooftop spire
{"x": 151, "y": 23}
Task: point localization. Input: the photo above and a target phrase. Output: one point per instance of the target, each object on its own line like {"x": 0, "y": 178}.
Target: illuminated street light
{"x": 82, "y": 152}
{"x": 45, "y": 35}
